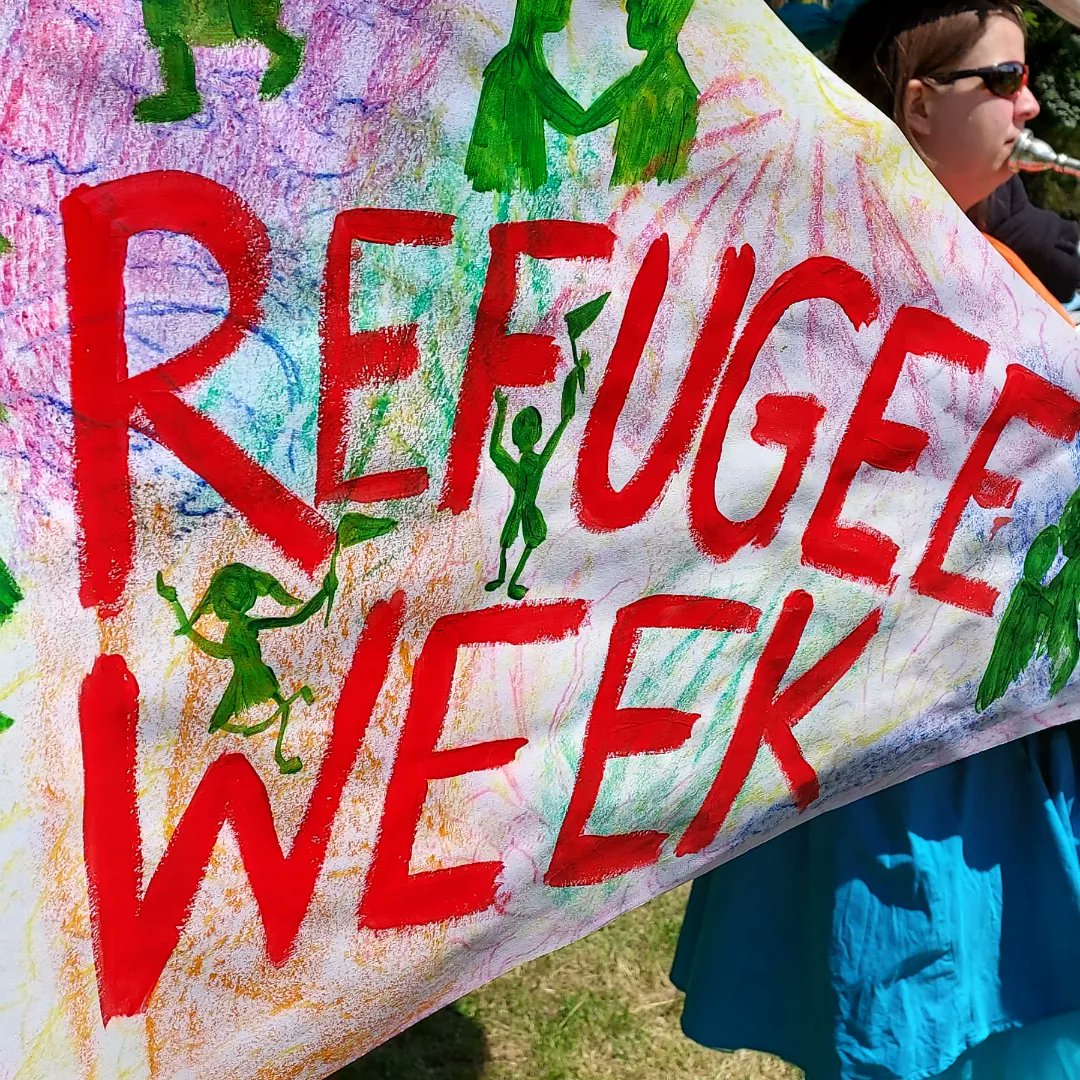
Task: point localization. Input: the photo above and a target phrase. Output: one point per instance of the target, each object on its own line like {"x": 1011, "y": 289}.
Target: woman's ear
{"x": 917, "y": 106}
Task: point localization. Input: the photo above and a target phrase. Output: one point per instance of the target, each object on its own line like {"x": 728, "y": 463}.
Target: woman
{"x": 1047, "y": 242}
{"x": 932, "y": 930}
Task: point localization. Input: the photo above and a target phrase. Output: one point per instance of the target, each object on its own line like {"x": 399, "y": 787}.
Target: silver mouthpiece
{"x": 1033, "y": 155}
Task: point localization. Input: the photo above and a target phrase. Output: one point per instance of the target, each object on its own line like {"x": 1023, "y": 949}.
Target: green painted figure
{"x": 233, "y": 592}
{"x": 525, "y": 474}
{"x": 1040, "y": 619}
{"x": 231, "y": 596}
{"x": 656, "y": 104}
{"x": 1062, "y": 638}
{"x": 175, "y": 26}
{"x": 1025, "y": 624}
{"x": 508, "y": 148}
{"x": 10, "y": 595}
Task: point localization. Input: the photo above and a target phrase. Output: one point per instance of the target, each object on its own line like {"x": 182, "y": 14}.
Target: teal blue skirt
{"x": 1048, "y": 1050}
{"x": 933, "y": 926}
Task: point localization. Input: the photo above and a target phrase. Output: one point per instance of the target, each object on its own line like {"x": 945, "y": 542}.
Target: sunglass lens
{"x": 1007, "y": 80}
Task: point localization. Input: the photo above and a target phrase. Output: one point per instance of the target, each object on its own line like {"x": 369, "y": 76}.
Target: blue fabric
{"x": 888, "y": 938}
{"x": 815, "y": 26}
{"x": 1048, "y": 1050}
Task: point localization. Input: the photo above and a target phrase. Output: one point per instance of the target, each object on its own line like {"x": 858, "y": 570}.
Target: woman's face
{"x": 964, "y": 131}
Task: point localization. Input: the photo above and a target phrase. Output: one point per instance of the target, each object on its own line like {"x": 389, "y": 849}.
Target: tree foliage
{"x": 1054, "y": 55}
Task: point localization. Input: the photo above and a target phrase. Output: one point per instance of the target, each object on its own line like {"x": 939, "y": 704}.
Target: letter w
{"x": 135, "y": 932}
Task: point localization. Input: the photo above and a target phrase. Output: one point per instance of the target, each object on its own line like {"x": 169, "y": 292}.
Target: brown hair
{"x": 887, "y": 43}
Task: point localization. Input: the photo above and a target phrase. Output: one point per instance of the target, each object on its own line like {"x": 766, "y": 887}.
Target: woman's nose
{"x": 1027, "y": 106}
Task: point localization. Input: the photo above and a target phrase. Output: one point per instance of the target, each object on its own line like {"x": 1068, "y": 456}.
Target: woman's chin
{"x": 1004, "y": 172}
{"x": 993, "y": 181}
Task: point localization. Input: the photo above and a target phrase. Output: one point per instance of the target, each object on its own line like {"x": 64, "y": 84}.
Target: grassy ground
{"x": 602, "y": 1009}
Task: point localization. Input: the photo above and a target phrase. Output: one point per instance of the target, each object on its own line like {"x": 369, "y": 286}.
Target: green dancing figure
{"x": 231, "y": 596}
{"x": 233, "y": 592}
{"x": 175, "y": 26}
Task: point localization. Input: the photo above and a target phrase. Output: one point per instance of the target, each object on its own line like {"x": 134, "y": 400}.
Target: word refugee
{"x": 108, "y": 402}
{"x": 136, "y": 929}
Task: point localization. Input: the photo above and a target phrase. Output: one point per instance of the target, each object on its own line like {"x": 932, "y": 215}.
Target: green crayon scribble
{"x": 525, "y": 474}
{"x": 1040, "y": 618}
{"x": 233, "y": 592}
{"x": 175, "y": 26}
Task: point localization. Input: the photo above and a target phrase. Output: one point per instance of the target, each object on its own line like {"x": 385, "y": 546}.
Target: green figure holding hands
{"x": 508, "y": 148}
{"x": 233, "y": 592}
{"x": 175, "y": 26}
{"x": 656, "y": 104}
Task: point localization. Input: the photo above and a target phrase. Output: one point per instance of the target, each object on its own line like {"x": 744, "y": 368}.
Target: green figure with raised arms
{"x": 508, "y": 148}
{"x": 656, "y": 104}
{"x": 232, "y": 593}
{"x": 525, "y": 474}
{"x": 175, "y": 26}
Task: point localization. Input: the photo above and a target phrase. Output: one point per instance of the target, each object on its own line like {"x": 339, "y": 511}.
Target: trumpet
{"x": 1033, "y": 155}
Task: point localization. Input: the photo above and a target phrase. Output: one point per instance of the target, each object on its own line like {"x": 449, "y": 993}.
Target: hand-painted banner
{"x": 439, "y": 514}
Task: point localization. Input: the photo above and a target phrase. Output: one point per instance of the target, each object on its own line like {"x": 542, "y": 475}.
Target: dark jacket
{"x": 1046, "y": 241}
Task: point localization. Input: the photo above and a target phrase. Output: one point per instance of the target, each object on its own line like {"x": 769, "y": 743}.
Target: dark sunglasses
{"x": 1002, "y": 80}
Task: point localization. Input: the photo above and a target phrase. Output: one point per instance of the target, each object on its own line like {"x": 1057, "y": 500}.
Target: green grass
{"x": 601, "y": 1009}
